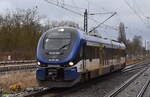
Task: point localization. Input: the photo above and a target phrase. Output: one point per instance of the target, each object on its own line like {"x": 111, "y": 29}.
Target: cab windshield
{"x": 57, "y": 41}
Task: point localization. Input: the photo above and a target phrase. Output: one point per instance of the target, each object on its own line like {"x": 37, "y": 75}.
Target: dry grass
{"x": 131, "y": 61}
{"x": 24, "y": 79}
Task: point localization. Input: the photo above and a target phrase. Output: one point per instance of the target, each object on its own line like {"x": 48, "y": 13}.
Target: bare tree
{"x": 134, "y": 47}
{"x": 20, "y": 31}
{"x": 122, "y": 34}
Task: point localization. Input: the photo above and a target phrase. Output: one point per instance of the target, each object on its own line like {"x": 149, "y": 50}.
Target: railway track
{"x": 25, "y": 66}
{"x": 122, "y": 90}
{"x": 143, "y": 90}
{"x": 52, "y": 93}
{"x": 136, "y": 66}
{"x": 16, "y": 62}
{"x": 6, "y": 66}
{"x": 10, "y": 66}
{"x": 17, "y": 67}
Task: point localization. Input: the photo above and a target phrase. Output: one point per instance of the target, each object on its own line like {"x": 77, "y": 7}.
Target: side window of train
{"x": 88, "y": 53}
{"x": 81, "y": 52}
{"x": 91, "y": 51}
{"x": 90, "y": 59}
{"x": 79, "y": 55}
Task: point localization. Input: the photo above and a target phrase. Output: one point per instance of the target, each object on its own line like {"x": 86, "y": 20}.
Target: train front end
{"x": 56, "y": 55}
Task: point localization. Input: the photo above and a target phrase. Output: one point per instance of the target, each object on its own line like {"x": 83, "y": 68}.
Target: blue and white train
{"x": 67, "y": 56}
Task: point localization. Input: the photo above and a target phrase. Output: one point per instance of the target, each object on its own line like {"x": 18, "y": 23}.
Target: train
{"x": 67, "y": 56}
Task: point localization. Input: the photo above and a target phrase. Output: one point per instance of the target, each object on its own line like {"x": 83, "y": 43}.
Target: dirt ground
{"x": 23, "y": 79}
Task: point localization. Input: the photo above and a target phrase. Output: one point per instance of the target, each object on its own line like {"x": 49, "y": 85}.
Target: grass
{"x": 23, "y": 79}
{"x": 131, "y": 61}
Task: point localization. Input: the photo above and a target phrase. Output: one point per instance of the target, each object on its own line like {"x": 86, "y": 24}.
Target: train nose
{"x": 68, "y": 73}
{"x": 52, "y": 75}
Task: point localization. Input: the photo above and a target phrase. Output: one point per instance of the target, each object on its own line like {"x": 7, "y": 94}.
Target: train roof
{"x": 95, "y": 41}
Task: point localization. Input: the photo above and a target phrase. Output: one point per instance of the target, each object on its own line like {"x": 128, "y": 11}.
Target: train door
{"x": 82, "y": 58}
{"x": 101, "y": 60}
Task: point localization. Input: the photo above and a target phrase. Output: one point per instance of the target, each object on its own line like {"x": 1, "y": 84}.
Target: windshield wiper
{"x": 64, "y": 46}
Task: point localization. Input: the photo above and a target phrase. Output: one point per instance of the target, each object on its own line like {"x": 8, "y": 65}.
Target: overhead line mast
{"x": 86, "y": 21}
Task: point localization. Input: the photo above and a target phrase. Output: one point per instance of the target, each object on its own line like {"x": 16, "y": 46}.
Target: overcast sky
{"x": 136, "y": 24}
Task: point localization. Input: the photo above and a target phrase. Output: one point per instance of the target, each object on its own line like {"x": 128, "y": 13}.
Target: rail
{"x": 17, "y": 62}
{"x": 16, "y": 68}
{"x": 127, "y": 83}
{"x": 141, "y": 93}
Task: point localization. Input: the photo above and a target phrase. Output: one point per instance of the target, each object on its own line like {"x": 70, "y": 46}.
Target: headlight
{"x": 38, "y": 63}
{"x": 71, "y": 63}
{"x": 61, "y": 30}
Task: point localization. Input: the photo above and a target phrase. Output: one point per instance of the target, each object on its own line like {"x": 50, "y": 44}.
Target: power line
{"x": 64, "y": 4}
{"x": 136, "y": 5}
{"x": 138, "y": 15}
{"x": 102, "y": 22}
{"x": 75, "y": 6}
{"x": 135, "y": 12}
{"x": 63, "y": 7}
{"x": 142, "y": 13}
{"x": 55, "y": 3}
{"x": 101, "y": 13}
